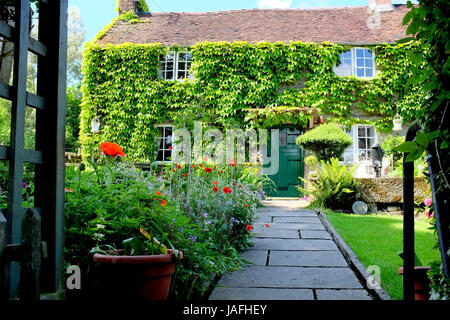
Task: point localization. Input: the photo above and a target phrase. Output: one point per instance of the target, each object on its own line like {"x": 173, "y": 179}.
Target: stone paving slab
{"x": 307, "y": 259}
{"x": 258, "y": 257}
{"x": 221, "y": 293}
{"x": 280, "y": 234}
{"x": 289, "y": 266}
{"x": 288, "y": 226}
{"x": 291, "y": 277}
{"x": 286, "y": 213}
{"x": 297, "y": 219}
{"x": 314, "y": 234}
{"x": 342, "y": 295}
{"x": 292, "y": 244}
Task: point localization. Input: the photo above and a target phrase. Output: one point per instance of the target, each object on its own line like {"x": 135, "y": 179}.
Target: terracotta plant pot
{"x": 421, "y": 282}
{"x": 136, "y": 277}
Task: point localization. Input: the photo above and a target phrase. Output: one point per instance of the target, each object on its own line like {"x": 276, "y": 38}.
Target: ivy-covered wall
{"x": 121, "y": 87}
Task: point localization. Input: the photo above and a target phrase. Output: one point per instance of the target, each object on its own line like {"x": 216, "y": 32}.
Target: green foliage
{"x": 276, "y": 116}
{"x": 121, "y": 85}
{"x": 439, "y": 283}
{"x": 389, "y": 144}
{"x": 326, "y": 141}
{"x": 333, "y": 187}
{"x": 73, "y": 109}
{"x": 311, "y": 161}
{"x": 109, "y": 201}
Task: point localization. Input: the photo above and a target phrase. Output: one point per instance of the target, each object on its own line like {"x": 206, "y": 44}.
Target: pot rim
{"x": 416, "y": 268}
{"x": 143, "y": 259}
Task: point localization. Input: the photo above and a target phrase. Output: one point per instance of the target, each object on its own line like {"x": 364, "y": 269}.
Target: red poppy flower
{"x": 158, "y": 193}
{"x": 193, "y": 166}
{"x": 178, "y": 166}
{"x": 227, "y": 190}
{"x": 215, "y": 189}
{"x": 163, "y": 202}
{"x": 240, "y": 187}
{"x": 232, "y": 163}
{"x": 174, "y": 170}
{"x": 215, "y": 182}
{"x": 267, "y": 225}
{"x": 248, "y": 227}
{"x": 170, "y": 148}
{"x": 246, "y": 205}
{"x": 111, "y": 149}
{"x": 208, "y": 169}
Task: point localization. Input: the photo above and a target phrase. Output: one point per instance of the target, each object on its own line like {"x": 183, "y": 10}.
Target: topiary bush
{"x": 333, "y": 187}
{"x": 326, "y": 141}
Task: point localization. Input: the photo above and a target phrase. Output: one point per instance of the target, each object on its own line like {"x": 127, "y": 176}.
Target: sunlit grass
{"x": 377, "y": 239}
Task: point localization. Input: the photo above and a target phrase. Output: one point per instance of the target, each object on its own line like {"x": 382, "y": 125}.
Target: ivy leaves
{"x": 122, "y": 87}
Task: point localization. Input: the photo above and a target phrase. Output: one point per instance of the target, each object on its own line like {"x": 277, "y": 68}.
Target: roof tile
{"x": 346, "y": 25}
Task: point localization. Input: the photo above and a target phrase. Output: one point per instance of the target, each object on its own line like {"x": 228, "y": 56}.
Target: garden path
{"x": 294, "y": 259}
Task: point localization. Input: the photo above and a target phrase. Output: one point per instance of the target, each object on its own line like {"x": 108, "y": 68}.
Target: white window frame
{"x": 176, "y": 59}
{"x": 158, "y": 143}
{"x": 354, "y": 66}
{"x": 364, "y": 166}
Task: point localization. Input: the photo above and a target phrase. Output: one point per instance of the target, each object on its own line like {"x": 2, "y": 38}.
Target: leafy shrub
{"x": 333, "y": 187}
{"x": 389, "y": 145}
{"x": 311, "y": 161}
{"x": 325, "y": 141}
{"x": 110, "y": 201}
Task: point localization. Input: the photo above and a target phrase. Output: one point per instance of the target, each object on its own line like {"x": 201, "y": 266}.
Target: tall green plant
{"x": 333, "y": 187}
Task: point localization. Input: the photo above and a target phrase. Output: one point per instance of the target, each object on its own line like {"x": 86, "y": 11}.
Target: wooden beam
{"x": 50, "y": 139}
{"x": 16, "y": 154}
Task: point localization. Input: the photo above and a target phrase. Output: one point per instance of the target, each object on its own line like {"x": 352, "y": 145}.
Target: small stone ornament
{"x": 359, "y": 207}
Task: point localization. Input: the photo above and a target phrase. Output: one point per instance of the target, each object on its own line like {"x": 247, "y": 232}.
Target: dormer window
{"x": 176, "y": 66}
{"x": 358, "y": 62}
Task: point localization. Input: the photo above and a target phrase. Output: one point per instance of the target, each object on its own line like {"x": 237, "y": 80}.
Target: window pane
{"x": 360, "y": 73}
{"x": 360, "y": 53}
{"x": 367, "y": 53}
{"x": 160, "y": 156}
{"x": 361, "y": 131}
{"x": 181, "y": 75}
{"x": 168, "y": 131}
{"x": 181, "y": 66}
{"x": 362, "y": 143}
{"x": 169, "y": 75}
{"x": 369, "y": 63}
{"x": 360, "y": 62}
{"x": 346, "y": 55}
{"x": 370, "y": 143}
{"x": 371, "y": 132}
{"x": 362, "y": 155}
{"x": 369, "y": 73}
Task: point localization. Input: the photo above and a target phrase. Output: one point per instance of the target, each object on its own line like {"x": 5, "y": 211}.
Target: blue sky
{"x": 98, "y": 13}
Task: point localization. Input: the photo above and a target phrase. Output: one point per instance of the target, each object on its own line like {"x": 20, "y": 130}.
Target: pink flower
{"x": 428, "y": 202}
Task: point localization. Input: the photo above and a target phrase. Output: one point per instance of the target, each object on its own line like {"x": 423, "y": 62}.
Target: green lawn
{"x": 377, "y": 239}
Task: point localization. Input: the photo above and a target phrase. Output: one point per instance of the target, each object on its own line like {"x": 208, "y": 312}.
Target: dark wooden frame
{"x": 46, "y": 220}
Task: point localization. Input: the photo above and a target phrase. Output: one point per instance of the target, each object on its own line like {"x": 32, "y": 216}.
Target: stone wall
{"x": 390, "y": 190}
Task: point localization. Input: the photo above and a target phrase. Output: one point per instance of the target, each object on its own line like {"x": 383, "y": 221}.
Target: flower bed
{"x": 204, "y": 210}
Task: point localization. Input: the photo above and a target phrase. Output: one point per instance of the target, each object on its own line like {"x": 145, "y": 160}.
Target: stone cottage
{"x": 360, "y": 30}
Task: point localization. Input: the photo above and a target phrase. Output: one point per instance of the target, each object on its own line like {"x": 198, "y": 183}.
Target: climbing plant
{"x": 231, "y": 80}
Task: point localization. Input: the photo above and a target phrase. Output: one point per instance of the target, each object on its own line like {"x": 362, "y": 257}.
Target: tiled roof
{"x": 347, "y": 25}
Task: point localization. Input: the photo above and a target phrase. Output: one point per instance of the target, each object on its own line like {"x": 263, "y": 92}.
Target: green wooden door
{"x": 291, "y": 165}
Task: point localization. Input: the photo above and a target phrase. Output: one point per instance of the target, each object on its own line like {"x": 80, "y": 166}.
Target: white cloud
{"x": 274, "y": 3}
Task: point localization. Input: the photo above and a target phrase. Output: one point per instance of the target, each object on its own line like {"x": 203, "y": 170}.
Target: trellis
{"x": 31, "y": 239}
